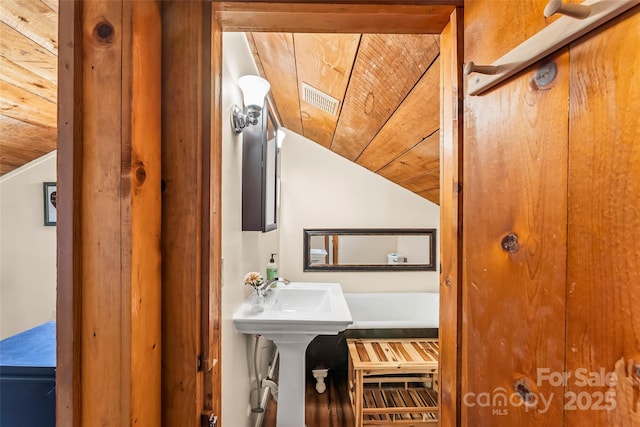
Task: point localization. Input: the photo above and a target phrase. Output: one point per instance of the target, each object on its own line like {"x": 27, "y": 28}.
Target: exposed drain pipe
{"x": 268, "y": 385}
{"x": 259, "y": 408}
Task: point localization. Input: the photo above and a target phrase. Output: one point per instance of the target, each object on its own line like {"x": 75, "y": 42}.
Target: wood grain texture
{"x": 22, "y": 142}
{"x": 52, "y": 4}
{"x": 515, "y": 181}
{"x": 451, "y": 227}
{"x": 426, "y": 184}
{"x": 507, "y": 28}
{"x": 385, "y": 70}
{"x": 22, "y": 105}
{"x": 212, "y": 300}
{"x": 256, "y": 57}
{"x": 408, "y": 125}
{"x": 69, "y": 241}
{"x": 28, "y": 74}
{"x": 184, "y": 129}
{"x": 329, "y": 409}
{"x": 34, "y": 19}
{"x": 421, "y": 159}
{"x": 25, "y": 79}
{"x": 104, "y": 317}
{"x": 27, "y": 53}
{"x": 277, "y": 56}
{"x": 109, "y": 225}
{"x": 144, "y": 204}
{"x": 350, "y": 17}
{"x": 603, "y": 320}
{"x": 323, "y": 61}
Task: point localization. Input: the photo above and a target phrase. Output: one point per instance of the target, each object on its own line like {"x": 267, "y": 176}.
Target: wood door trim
{"x": 406, "y": 17}
{"x": 69, "y": 260}
{"x": 246, "y": 20}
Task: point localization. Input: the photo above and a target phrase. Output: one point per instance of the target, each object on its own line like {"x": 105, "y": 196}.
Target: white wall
{"x": 243, "y": 251}
{"x": 321, "y": 189}
{"x": 27, "y": 249}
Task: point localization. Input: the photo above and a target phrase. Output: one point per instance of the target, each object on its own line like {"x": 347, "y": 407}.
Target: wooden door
{"x": 550, "y": 173}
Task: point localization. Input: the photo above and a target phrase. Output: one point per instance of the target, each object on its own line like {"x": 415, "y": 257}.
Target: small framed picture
{"x": 50, "y": 194}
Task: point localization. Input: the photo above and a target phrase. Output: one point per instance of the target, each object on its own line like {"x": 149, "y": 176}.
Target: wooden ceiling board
{"x": 431, "y": 195}
{"x": 277, "y": 58}
{"x": 53, "y": 4}
{"x": 22, "y": 142}
{"x": 422, "y": 183}
{"x": 273, "y": 108}
{"x": 28, "y": 81}
{"x": 21, "y": 105}
{"x": 34, "y": 19}
{"x": 16, "y": 75}
{"x": 323, "y": 61}
{"x": 331, "y": 18}
{"x": 27, "y": 54}
{"x": 417, "y": 117}
{"x": 421, "y": 159}
{"x": 386, "y": 69}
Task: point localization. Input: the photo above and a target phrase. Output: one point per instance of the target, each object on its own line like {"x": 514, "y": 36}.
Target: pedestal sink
{"x": 293, "y": 315}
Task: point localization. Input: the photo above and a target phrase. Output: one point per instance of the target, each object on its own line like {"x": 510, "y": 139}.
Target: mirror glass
{"x": 370, "y": 249}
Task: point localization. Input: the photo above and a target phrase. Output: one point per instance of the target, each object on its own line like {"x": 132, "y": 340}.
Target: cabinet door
{"x": 259, "y": 175}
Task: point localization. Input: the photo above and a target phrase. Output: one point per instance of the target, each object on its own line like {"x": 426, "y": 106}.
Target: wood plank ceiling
{"x": 28, "y": 80}
{"x": 387, "y": 86}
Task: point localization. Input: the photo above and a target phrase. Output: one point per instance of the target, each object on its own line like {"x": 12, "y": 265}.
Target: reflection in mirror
{"x": 370, "y": 249}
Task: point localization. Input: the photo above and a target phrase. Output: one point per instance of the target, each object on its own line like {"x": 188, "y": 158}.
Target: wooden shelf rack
{"x": 393, "y": 381}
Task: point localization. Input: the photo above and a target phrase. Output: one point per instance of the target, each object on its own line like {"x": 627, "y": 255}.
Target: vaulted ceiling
{"x": 387, "y": 91}
{"x": 386, "y": 87}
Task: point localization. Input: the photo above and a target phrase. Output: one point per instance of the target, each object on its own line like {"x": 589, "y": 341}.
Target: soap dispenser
{"x": 272, "y": 269}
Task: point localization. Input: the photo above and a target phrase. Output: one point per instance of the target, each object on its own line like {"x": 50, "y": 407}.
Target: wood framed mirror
{"x": 369, "y": 249}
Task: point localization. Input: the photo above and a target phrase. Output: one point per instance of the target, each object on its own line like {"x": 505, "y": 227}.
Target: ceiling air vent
{"x": 319, "y": 99}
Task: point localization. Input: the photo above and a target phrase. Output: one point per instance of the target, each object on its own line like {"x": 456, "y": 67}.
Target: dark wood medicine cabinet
{"x": 260, "y": 175}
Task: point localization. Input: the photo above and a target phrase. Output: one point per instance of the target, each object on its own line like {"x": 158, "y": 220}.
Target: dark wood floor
{"x": 329, "y": 409}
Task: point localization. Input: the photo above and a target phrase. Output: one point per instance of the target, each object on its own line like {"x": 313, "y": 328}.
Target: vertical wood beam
{"x": 603, "y": 315}
{"x": 69, "y": 247}
{"x": 451, "y": 203}
{"x": 109, "y": 251}
{"x": 189, "y": 299}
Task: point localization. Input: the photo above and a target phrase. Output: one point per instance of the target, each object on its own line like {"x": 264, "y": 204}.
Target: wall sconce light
{"x": 254, "y": 90}
{"x": 280, "y": 134}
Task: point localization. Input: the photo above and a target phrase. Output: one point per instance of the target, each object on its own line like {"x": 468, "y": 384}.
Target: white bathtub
{"x": 377, "y": 315}
{"x": 394, "y": 310}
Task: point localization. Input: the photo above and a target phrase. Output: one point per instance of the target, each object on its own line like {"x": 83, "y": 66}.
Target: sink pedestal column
{"x": 291, "y": 377}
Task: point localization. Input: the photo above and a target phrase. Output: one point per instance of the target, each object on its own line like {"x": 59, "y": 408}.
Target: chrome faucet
{"x": 266, "y": 286}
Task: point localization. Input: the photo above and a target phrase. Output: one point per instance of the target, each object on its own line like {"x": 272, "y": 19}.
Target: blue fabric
{"x": 32, "y": 348}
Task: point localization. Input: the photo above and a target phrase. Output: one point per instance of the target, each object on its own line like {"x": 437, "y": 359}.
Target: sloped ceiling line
{"x": 388, "y": 87}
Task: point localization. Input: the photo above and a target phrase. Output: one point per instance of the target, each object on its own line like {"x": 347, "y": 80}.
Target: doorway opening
{"x": 233, "y": 18}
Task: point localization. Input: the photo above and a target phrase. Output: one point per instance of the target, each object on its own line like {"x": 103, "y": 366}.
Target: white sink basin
{"x": 302, "y": 300}
{"x": 297, "y": 308}
{"x": 293, "y": 315}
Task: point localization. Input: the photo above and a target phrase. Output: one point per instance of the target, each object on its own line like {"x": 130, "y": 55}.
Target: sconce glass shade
{"x": 254, "y": 89}
{"x": 280, "y": 134}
